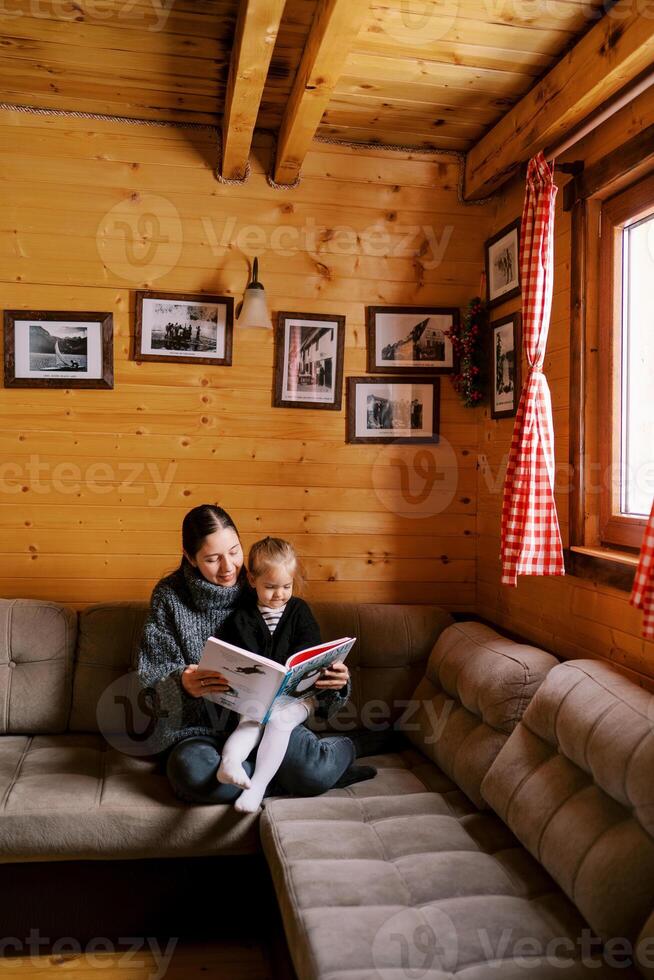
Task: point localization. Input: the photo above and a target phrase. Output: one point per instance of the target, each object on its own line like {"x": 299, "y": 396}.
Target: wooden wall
{"x": 94, "y": 484}
{"x": 570, "y": 616}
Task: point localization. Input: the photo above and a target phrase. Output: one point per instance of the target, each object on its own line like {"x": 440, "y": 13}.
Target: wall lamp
{"x": 254, "y": 309}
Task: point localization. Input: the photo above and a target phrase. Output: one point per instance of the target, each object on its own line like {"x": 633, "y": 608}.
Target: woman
{"x": 188, "y": 606}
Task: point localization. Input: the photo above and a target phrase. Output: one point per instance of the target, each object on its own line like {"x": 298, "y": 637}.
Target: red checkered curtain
{"x": 642, "y": 595}
{"x": 531, "y": 539}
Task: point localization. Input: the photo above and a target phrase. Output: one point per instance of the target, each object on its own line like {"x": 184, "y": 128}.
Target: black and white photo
{"x": 182, "y": 327}
{"x": 381, "y": 410}
{"x": 503, "y": 264}
{"x": 50, "y": 349}
{"x": 410, "y": 339}
{"x": 309, "y": 361}
{"x": 505, "y": 366}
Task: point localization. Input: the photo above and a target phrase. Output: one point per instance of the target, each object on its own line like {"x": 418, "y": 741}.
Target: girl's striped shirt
{"x": 271, "y": 616}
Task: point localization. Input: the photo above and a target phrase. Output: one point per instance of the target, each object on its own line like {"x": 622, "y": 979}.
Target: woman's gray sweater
{"x": 186, "y": 609}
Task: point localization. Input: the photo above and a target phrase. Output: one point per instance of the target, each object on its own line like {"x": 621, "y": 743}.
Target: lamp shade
{"x": 254, "y": 311}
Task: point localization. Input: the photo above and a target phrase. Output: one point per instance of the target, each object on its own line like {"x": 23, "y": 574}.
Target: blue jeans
{"x": 311, "y": 766}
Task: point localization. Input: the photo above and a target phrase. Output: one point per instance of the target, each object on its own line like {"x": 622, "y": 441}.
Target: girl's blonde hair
{"x": 275, "y": 551}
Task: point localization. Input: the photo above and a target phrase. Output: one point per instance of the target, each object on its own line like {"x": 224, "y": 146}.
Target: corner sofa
{"x": 509, "y": 835}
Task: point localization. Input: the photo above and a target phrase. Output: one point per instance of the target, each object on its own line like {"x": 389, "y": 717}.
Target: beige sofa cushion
{"x": 475, "y": 690}
{"x": 575, "y": 782}
{"x": 400, "y": 876}
{"x": 70, "y": 797}
{"x": 388, "y": 659}
{"x": 109, "y": 639}
{"x": 37, "y": 643}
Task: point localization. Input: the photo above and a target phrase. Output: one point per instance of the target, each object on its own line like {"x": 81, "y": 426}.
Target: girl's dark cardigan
{"x": 185, "y": 610}
{"x": 297, "y": 630}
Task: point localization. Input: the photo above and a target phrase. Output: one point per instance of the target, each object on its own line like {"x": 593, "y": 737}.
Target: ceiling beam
{"x": 607, "y": 58}
{"x": 257, "y": 25}
{"x": 334, "y": 30}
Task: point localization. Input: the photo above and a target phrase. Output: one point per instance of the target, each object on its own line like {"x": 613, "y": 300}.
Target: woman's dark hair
{"x": 200, "y": 522}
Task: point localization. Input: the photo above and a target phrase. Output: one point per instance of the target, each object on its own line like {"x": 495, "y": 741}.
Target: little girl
{"x": 275, "y": 624}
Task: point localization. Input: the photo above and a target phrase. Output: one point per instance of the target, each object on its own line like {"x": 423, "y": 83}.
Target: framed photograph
{"x": 410, "y": 339}
{"x": 505, "y": 354}
{"x": 309, "y": 350}
{"x": 183, "y": 327}
{"x": 503, "y": 264}
{"x": 383, "y": 410}
{"x": 58, "y": 349}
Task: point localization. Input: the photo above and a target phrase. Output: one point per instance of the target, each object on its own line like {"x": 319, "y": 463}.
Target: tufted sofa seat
{"x": 399, "y": 874}
{"x": 412, "y": 874}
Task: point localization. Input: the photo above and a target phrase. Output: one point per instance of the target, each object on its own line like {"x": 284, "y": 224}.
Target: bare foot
{"x": 248, "y": 801}
{"x": 231, "y": 771}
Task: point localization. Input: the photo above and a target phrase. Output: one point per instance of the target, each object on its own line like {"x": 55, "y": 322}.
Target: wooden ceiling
{"x": 425, "y": 73}
{"x": 417, "y": 72}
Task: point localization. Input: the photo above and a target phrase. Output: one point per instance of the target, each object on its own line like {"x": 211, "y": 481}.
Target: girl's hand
{"x": 333, "y": 678}
{"x": 198, "y": 682}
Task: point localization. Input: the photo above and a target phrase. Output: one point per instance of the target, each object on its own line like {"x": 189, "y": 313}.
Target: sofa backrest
{"x": 37, "y": 646}
{"x": 393, "y": 643}
{"x": 108, "y": 644}
{"x": 476, "y": 688}
{"x": 388, "y": 659}
{"x": 575, "y": 783}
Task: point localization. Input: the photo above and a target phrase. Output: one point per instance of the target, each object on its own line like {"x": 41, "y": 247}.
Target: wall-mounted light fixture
{"x": 254, "y": 310}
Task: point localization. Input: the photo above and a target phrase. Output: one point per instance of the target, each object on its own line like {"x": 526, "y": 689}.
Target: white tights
{"x": 274, "y": 735}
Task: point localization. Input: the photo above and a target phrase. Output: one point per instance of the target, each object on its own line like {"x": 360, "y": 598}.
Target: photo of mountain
{"x": 58, "y": 347}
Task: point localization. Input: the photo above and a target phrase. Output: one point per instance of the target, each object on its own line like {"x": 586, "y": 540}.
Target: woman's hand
{"x": 198, "y": 682}
{"x": 333, "y": 678}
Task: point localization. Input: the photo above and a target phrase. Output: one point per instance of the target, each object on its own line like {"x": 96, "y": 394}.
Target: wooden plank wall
{"x": 94, "y": 484}
{"x": 570, "y": 616}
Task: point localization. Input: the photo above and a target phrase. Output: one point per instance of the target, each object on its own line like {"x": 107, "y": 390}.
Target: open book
{"x": 256, "y": 683}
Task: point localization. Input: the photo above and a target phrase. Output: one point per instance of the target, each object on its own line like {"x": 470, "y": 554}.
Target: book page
{"x": 301, "y": 678}
{"x": 302, "y": 655}
{"x": 253, "y": 680}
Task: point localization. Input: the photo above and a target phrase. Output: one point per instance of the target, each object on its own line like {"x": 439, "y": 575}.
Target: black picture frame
{"x": 503, "y": 250}
{"x": 183, "y": 348}
{"x": 397, "y": 337}
{"x": 511, "y": 323}
{"x": 356, "y": 390}
{"x": 322, "y": 345}
{"x": 59, "y": 352}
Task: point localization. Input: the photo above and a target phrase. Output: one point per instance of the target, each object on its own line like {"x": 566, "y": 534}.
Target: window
{"x": 637, "y": 367}
{"x": 626, "y": 364}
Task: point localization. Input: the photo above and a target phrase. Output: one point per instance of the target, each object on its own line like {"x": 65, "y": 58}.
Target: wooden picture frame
{"x": 58, "y": 349}
{"x": 387, "y": 409}
{"x": 309, "y": 356}
{"x": 502, "y": 258}
{"x": 167, "y": 330}
{"x": 505, "y": 376}
{"x": 400, "y": 339}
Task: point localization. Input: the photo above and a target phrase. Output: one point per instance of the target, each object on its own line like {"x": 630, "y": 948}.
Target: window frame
{"x": 618, "y": 212}
{"x": 588, "y": 555}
